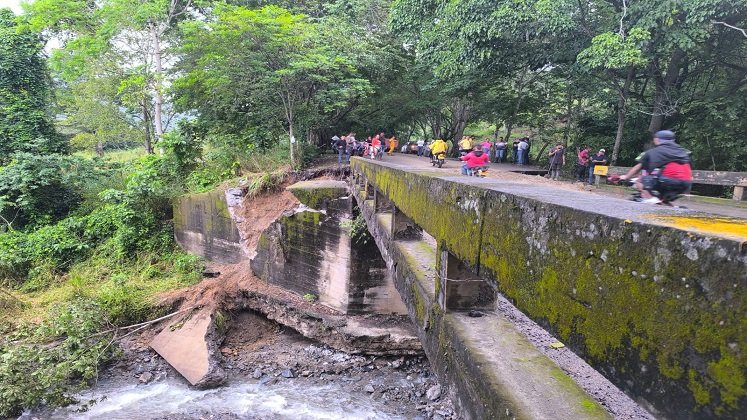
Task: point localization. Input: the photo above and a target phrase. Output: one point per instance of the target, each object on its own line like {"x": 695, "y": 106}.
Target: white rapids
{"x": 174, "y": 398}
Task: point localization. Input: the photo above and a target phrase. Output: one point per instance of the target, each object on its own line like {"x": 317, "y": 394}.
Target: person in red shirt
{"x": 376, "y": 147}
{"x": 474, "y": 159}
{"x": 583, "y": 163}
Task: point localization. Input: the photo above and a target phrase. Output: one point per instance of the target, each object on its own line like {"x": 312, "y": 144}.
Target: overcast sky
{"x": 13, "y": 4}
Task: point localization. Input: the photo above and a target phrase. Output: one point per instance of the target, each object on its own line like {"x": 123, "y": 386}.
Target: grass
{"x": 118, "y": 155}
{"x": 126, "y": 289}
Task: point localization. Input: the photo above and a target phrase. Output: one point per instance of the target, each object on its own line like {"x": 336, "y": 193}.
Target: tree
{"x": 115, "y": 41}
{"x": 25, "y": 115}
{"x": 266, "y": 68}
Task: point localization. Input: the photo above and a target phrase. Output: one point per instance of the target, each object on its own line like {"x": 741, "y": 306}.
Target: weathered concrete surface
{"x": 311, "y": 252}
{"x": 322, "y": 194}
{"x": 190, "y": 344}
{"x": 381, "y": 335}
{"x": 493, "y": 371}
{"x": 203, "y": 225}
{"x": 658, "y": 309}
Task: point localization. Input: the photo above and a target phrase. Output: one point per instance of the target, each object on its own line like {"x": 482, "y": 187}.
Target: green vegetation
{"x": 310, "y": 297}
{"x": 139, "y": 102}
{"x": 357, "y": 229}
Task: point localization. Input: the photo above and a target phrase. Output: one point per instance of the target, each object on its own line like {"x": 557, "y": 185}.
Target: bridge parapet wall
{"x": 660, "y": 311}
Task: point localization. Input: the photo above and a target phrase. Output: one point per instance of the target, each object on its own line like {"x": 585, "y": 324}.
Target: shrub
{"x": 38, "y": 370}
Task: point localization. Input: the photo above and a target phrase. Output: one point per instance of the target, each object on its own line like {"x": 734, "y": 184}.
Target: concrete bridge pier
{"x": 458, "y": 287}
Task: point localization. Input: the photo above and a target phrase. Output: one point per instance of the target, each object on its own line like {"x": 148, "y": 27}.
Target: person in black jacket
{"x": 339, "y": 145}
{"x": 665, "y": 169}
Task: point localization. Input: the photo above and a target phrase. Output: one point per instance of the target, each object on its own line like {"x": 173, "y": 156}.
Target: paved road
{"x": 515, "y": 174}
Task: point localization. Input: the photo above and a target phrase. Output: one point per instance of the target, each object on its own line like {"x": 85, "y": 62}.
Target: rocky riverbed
{"x": 274, "y": 373}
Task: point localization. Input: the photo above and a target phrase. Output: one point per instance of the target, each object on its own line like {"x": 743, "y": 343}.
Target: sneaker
{"x": 652, "y": 200}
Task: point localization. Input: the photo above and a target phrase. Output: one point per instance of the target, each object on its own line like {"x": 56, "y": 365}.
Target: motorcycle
{"x": 664, "y": 199}
{"x": 479, "y": 171}
{"x": 438, "y": 159}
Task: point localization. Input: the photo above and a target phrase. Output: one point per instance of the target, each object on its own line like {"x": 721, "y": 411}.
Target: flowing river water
{"x": 172, "y": 398}
{"x": 273, "y": 373}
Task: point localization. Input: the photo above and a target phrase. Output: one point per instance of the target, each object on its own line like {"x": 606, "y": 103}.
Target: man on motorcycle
{"x": 667, "y": 170}
{"x": 438, "y": 146}
{"x": 474, "y": 160}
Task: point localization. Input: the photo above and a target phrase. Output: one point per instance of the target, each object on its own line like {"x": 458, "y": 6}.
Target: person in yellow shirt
{"x": 438, "y": 146}
{"x": 465, "y": 145}
{"x": 438, "y": 152}
{"x": 393, "y": 143}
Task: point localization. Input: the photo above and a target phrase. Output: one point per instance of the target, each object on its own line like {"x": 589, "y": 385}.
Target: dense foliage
{"x": 212, "y": 90}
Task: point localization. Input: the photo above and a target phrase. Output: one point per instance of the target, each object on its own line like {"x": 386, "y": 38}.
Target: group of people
{"x": 665, "y": 168}
{"x": 499, "y": 149}
{"x": 373, "y": 146}
{"x": 586, "y": 163}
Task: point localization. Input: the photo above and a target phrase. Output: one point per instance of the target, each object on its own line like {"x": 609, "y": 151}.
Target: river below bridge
{"x": 172, "y": 398}
{"x": 274, "y": 373}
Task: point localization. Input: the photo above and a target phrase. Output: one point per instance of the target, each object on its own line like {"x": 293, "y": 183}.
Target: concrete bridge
{"x": 653, "y": 298}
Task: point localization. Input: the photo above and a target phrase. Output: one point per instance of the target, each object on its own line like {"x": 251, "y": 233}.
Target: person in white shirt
{"x": 421, "y": 146}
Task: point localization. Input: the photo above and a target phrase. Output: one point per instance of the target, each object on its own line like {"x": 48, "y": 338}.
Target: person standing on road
{"x": 523, "y": 148}
{"x": 393, "y": 143}
{"x": 465, "y": 145}
{"x": 557, "y": 161}
{"x": 421, "y": 146}
{"x": 350, "y": 145}
{"x": 515, "y": 152}
{"x": 528, "y": 151}
{"x": 500, "y": 150}
{"x": 599, "y": 159}
{"x": 376, "y": 151}
{"x": 582, "y": 163}
{"x": 341, "y": 149}
{"x": 486, "y": 146}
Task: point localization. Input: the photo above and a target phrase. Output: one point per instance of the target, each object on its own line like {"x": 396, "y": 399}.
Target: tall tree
{"x": 122, "y": 38}
{"x": 266, "y": 68}
{"x": 25, "y": 113}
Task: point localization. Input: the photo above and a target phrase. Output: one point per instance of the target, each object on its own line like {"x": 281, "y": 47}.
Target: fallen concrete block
{"x": 190, "y": 345}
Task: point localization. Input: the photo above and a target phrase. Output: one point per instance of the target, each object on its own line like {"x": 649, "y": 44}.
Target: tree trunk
{"x": 517, "y": 106}
{"x": 460, "y": 108}
{"x": 291, "y": 143}
{"x": 664, "y": 86}
{"x": 99, "y": 148}
{"x": 568, "y": 116}
{"x": 146, "y": 122}
{"x": 157, "y": 61}
{"x": 621, "y": 112}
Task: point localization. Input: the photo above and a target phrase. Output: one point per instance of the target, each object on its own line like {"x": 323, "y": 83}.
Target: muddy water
{"x": 172, "y": 398}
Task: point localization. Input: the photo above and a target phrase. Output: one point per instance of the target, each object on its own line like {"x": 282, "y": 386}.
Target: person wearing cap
{"x": 599, "y": 159}
{"x": 666, "y": 170}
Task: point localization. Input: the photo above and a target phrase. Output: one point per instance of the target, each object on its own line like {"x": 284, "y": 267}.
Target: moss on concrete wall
{"x": 660, "y": 311}
{"x": 203, "y": 226}
{"x": 319, "y": 194}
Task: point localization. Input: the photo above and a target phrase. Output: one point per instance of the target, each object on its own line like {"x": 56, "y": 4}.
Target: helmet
{"x": 664, "y": 135}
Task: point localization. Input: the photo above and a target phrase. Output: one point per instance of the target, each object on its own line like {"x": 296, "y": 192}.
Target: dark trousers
{"x": 581, "y": 172}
